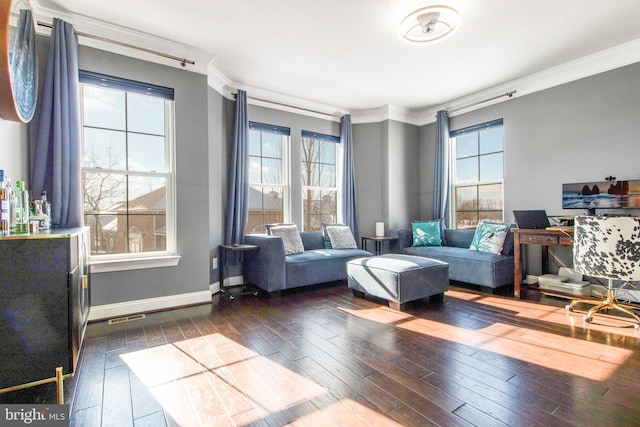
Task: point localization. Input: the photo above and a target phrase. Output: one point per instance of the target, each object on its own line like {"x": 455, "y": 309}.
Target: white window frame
{"x": 328, "y": 139}
{"x": 453, "y": 167}
{"x": 141, "y": 260}
{"x": 285, "y": 135}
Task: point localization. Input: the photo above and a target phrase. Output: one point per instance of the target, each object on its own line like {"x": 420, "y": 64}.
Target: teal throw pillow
{"x": 489, "y": 237}
{"x": 426, "y": 233}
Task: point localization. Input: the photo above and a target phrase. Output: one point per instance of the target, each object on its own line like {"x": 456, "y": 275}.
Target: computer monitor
{"x": 536, "y": 219}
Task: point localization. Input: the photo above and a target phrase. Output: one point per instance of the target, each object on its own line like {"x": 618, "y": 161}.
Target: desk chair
{"x": 608, "y": 248}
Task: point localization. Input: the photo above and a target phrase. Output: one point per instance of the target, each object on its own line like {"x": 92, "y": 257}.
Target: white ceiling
{"x": 347, "y": 53}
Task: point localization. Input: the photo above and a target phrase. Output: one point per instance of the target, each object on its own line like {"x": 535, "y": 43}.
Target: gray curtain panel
{"x": 238, "y": 190}
{"x": 56, "y": 159}
{"x": 441, "y": 174}
{"x": 349, "y": 207}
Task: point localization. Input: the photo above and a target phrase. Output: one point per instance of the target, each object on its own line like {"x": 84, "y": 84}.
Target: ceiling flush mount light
{"x": 429, "y": 24}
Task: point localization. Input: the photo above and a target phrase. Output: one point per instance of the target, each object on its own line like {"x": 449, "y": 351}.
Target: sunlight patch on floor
{"x": 379, "y": 314}
{"x": 576, "y": 356}
{"x": 214, "y": 379}
{"x": 602, "y": 322}
{"x": 345, "y": 412}
{"x": 571, "y": 355}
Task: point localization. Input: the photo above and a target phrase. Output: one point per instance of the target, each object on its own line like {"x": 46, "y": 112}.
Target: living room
{"x": 558, "y": 129}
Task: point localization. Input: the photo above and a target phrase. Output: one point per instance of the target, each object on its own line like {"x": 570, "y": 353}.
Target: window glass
{"x": 102, "y": 108}
{"x": 491, "y": 167}
{"x": 467, "y": 146}
{"x": 145, "y": 114}
{"x": 491, "y": 141}
{"x": 146, "y": 153}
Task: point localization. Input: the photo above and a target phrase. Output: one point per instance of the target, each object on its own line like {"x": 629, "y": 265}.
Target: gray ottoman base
{"x": 398, "y": 278}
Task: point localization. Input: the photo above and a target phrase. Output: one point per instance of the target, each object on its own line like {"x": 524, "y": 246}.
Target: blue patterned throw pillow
{"x": 426, "y": 233}
{"x": 489, "y": 237}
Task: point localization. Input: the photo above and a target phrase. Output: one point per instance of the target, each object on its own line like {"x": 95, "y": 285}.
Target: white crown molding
{"x": 266, "y": 98}
{"x": 385, "y": 112}
{"x": 143, "y": 42}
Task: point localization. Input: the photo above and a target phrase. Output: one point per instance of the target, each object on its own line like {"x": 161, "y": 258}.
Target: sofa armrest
{"x": 265, "y": 268}
{"x": 405, "y": 239}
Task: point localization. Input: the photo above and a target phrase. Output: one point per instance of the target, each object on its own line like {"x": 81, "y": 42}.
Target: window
{"x": 477, "y": 174}
{"x": 127, "y": 167}
{"x": 268, "y": 189}
{"x": 319, "y": 190}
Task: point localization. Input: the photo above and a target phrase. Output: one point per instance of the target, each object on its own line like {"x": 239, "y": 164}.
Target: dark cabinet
{"x": 44, "y": 303}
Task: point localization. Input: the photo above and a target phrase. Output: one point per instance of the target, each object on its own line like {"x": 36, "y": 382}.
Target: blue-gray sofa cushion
{"x": 479, "y": 268}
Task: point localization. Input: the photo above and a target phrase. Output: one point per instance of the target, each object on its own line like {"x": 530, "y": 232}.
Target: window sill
{"x": 134, "y": 264}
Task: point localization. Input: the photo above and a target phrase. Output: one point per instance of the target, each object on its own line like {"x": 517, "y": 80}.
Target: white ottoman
{"x": 398, "y": 278}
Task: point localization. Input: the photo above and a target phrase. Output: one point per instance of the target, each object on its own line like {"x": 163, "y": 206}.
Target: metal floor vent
{"x": 126, "y": 319}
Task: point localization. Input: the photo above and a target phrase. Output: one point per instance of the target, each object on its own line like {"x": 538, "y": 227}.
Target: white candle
{"x": 379, "y": 229}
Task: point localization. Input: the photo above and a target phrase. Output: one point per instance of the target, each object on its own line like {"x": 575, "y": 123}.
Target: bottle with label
{"x": 22, "y": 208}
{"x": 12, "y": 205}
{"x": 5, "y": 206}
{"x": 46, "y": 208}
{"x": 39, "y": 216}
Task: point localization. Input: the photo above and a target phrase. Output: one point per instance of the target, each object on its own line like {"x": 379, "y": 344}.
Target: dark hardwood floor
{"x": 323, "y": 357}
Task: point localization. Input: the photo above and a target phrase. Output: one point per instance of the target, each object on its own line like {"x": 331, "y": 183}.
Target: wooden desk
{"x": 545, "y": 238}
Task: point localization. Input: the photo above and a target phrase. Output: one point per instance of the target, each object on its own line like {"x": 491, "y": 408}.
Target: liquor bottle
{"x": 22, "y": 208}
{"x": 39, "y": 216}
{"x": 46, "y": 208}
{"x": 12, "y": 205}
{"x": 5, "y": 206}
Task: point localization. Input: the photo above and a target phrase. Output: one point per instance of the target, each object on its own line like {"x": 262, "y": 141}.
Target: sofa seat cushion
{"x": 478, "y": 268}
{"x": 319, "y": 266}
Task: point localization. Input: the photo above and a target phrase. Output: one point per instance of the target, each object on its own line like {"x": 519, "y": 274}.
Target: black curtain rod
{"x": 235, "y": 95}
{"x": 182, "y": 61}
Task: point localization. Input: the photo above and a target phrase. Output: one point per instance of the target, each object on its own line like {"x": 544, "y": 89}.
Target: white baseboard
{"x": 228, "y": 281}
{"x": 108, "y": 311}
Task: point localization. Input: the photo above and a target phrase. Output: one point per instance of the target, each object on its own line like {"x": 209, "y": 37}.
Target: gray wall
{"x": 369, "y": 142}
{"x": 388, "y": 174}
{"x": 13, "y": 145}
{"x": 193, "y": 186}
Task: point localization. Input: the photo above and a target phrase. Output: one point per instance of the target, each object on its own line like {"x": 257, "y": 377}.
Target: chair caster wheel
{"x": 587, "y": 319}
{"x": 569, "y": 307}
